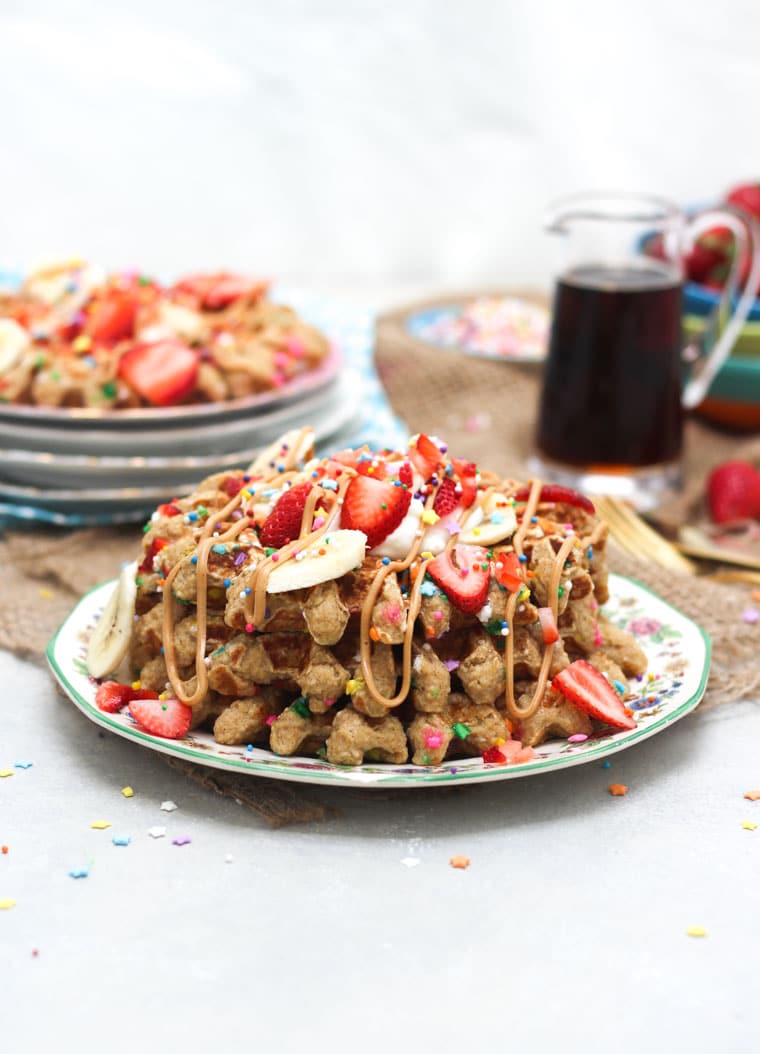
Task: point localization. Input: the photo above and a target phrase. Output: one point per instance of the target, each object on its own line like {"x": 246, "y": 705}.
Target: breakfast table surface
{"x": 568, "y": 930}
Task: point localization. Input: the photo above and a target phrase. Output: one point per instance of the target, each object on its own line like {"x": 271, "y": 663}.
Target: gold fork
{"x": 638, "y": 538}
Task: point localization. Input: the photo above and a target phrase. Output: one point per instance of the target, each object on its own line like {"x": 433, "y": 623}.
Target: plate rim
{"x": 424, "y": 778}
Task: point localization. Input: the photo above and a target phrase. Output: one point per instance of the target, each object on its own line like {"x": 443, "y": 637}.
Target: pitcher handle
{"x": 747, "y": 235}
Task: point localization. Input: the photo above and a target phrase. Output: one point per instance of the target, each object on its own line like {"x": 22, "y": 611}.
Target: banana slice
{"x": 331, "y": 557}
{"x": 493, "y": 521}
{"x": 290, "y": 450}
{"x": 73, "y": 280}
{"x": 110, "y": 641}
{"x": 14, "y": 340}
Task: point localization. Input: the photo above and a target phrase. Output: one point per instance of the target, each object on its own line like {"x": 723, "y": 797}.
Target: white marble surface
{"x": 567, "y": 932}
{"x": 355, "y": 142}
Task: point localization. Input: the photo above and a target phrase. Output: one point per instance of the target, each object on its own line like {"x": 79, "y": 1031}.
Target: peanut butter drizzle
{"x": 413, "y": 611}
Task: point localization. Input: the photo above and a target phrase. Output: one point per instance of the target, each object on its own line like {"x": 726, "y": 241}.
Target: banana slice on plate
{"x": 330, "y": 557}
{"x": 291, "y": 449}
{"x": 493, "y": 521}
{"x": 110, "y": 641}
{"x": 14, "y": 340}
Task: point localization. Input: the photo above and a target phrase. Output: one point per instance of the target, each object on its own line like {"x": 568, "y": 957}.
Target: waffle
{"x": 387, "y": 660}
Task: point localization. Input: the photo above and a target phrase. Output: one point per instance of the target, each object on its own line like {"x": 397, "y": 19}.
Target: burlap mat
{"x": 486, "y": 411}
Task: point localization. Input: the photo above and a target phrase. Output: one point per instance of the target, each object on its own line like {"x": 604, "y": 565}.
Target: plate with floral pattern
{"x": 678, "y": 651}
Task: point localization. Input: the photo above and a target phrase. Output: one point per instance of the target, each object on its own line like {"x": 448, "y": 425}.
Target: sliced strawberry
{"x": 112, "y": 696}
{"x": 215, "y": 291}
{"x": 549, "y": 629}
{"x": 466, "y": 472}
{"x": 747, "y": 198}
{"x": 113, "y": 318}
{"x": 155, "y": 547}
{"x": 169, "y": 509}
{"x": 733, "y": 492}
{"x": 168, "y": 718}
{"x": 582, "y": 684}
{"x": 233, "y": 485}
{"x": 377, "y": 506}
{"x": 425, "y": 456}
{"x": 554, "y": 492}
{"x": 447, "y": 499}
{"x": 508, "y": 574}
{"x": 363, "y": 461}
{"x": 283, "y": 524}
{"x": 466, "y": 582}
{"x": 163, "y": 372}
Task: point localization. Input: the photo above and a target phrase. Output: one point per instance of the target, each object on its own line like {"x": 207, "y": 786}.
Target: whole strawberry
{"x": 733, "y": 492}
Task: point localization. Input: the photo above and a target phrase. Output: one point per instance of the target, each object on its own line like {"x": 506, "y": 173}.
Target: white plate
{"x": 679, "y": 660}
{"x": 63, "y": 470}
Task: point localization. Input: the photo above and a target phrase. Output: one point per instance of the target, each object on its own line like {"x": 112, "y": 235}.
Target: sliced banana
{"x": 174, "y": 320}
{"x": 491, "y": 522}
{"x": 72, "y": 280}
{"x": 14, "y": 340}
{"x": 110, "y": 641}
{"x": 291, "y": 449}
{"x": 332, "y": 556}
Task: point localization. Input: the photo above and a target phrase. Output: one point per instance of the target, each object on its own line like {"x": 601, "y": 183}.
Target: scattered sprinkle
{"x": 749, "y": 825}
{"x": 606, "y": 764}
{"x": 410, "y": 861}
{"x": 100, "y": 825}
{"x": 157, "y": 832}
{"x": 182, "y": 840}
{"x": 460, "y": 730}
{"x": 121, "y": 839}
{"x": 751, "y": 615}
{"x": 696, "y": 931}
{"x": 46, "y": 594}
{"x": 4, "y": 773}
{"x": 229, "y": 858}
{"x": 579, "y": 737}
{"x": 460, "y": 862}
{"x": 22, "y": 764}
{"x": 617, "y": 790}
{"x": 168, "y": 806}
{"x": 752, "y": 795}
{"x": 7, "y": 904}
{"x": 79, "y": 872}
{"x": 127, "y": 792}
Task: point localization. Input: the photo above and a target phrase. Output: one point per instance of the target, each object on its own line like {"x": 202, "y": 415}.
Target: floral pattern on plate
{"x": 678, "y": 651}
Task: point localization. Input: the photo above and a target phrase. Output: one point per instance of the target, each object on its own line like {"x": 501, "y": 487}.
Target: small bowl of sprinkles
{"x": 506, "y": 327}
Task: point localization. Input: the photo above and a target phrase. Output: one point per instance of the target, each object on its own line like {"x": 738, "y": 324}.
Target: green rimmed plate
{"x": 679, "y": 660}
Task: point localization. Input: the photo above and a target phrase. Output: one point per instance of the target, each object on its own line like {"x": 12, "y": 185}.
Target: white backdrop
{"x": 358, "y": 145}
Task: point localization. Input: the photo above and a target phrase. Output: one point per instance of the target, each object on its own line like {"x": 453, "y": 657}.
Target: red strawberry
{"x": 113, "y": 318}
{"x": 425, "y": 456}
{"x": 377, "y": 506}
{"x": 466, "y": 582}
{"x": 112, "y": 696}
{"x": 162, "y": 372}
{"x": 283, "y": 523}
{"x": 508, "y": 574}
{"x": 447, "y": 499}
{"x": 747, "y": 198}
{"x": 155, "y": 547}
{"x": 553, "y": 492}
{"x": 467, "y": 472}
{"x": 215, "y": 291}
{"x": 733, "y": 492}
{"x": 169, "y": 510}
{"x": 168, "y": 717}
{"x": 582, "y": 684}
{"x": 233, "y": 485}
{"x": 548, "y": 625}
{"x": 363, "y": 461}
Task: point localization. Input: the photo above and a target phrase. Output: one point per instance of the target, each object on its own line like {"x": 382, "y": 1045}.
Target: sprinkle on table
{"x": 157, "y": 832}
{"x": 127, "y": 792}
{"x": 121, "y": 839}
{"x": 749, "y": 825}
{"x": 4, "y": 773}
{"x": 22, "y": 764}
{"x": 7, "y": 904}
{"x": 617, "y": 790}
{"x": 752, "y": 795}
{"x": 182, "y": 840}
{"x": 606, "y": 764}
{"x": 100, "y": 825}
{"x": 79, "y": 872}
{"x": 461, "y": 863}
{"x": 751, "y": 615}
{"x": 696, "y": 931}
{"x": 168, "y": 806}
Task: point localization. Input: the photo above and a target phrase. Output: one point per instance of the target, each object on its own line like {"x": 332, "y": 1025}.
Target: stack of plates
{"x": 76, "y": 467}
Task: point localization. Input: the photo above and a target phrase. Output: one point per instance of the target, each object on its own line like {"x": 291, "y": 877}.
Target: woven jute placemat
{"x": 486, "y": 411}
